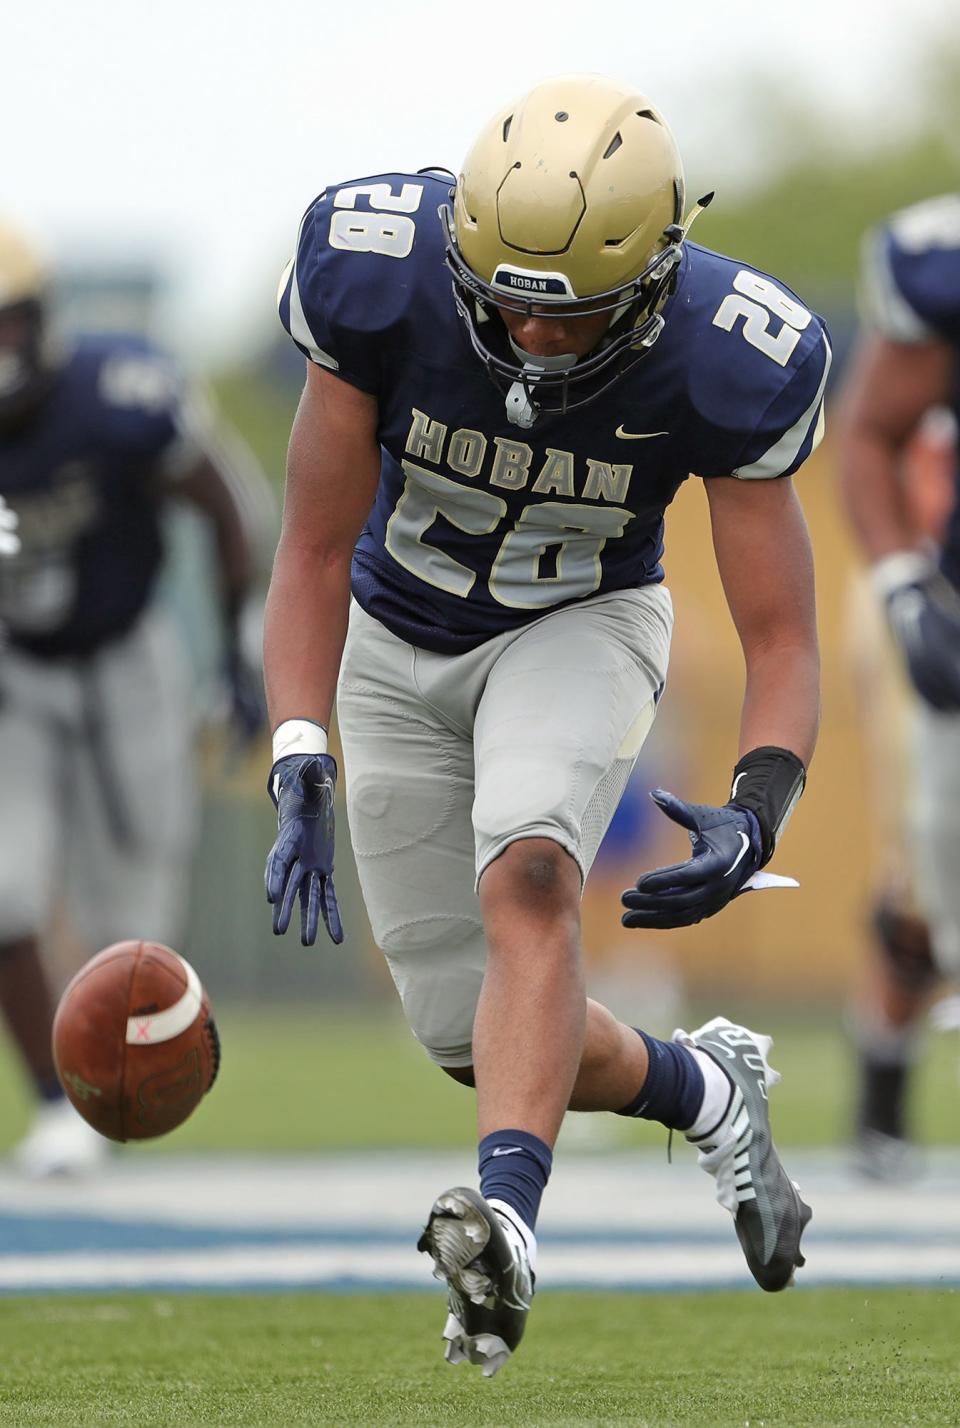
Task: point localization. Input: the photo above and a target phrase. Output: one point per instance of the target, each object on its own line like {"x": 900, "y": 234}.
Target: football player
{"x": 509, "y": 377}
{"x": 906, "y": 370}
{"x": 96, "y": 715}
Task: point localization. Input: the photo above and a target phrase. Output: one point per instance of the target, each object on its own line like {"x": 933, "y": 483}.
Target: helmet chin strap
{"x": 522, "y": 410}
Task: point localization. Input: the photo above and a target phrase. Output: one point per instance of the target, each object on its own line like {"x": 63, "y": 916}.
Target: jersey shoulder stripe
{"x": 294, "y": 318}
{"x": 883, "y": 307}
{"x": 799, "y": 440}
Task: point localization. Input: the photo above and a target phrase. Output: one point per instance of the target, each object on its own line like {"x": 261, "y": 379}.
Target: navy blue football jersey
{"x": 479, "y": 526}
{"x": 910, "y": 292}
{"x": 81, "y": 477}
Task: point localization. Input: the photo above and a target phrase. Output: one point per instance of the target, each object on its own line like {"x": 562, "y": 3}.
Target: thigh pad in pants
{"x": 450, "y": 759}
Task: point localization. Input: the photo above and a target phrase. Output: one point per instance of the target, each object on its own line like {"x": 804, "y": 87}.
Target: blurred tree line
{"x": 823, "y": 186}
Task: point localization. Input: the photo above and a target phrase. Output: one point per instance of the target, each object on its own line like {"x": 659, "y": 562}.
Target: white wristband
{"x": 901, "y": 567}
{"x": 299, "y": 736}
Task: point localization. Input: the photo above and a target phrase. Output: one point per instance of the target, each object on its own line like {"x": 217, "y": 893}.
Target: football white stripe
{"x": 165, "y": 1025}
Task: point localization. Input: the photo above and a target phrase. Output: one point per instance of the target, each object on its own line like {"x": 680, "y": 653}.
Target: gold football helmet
{"x": 23, "y": 275}
{"x": 574, "y": 196}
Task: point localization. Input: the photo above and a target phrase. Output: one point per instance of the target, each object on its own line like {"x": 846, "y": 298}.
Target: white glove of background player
{"x": 923, "y": 609}
{"x": 9, "y": 540}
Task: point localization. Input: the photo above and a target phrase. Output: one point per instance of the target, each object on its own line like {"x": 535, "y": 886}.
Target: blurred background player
{"x": 97, "y": 713}
{"x": 898, "y": 478}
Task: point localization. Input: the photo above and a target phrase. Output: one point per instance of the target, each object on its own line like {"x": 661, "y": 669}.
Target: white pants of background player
{"x": 97, "y": 789}
{"x": 935, "y": 825}
{"x": 450, "y": 758}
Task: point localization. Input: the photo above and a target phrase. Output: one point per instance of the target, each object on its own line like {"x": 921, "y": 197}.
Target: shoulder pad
{"x": 910, "y": 273}
{"x": 366, "y": 252}
{"x": 758, "y": 366}
{"x": 137, "y": 393}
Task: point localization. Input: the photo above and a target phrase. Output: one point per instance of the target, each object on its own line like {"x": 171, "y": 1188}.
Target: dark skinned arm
{"x": 766, "y": 566}
{"x": 333, "y": 467}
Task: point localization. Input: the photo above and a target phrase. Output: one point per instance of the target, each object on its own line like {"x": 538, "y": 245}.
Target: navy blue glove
{"x": 301, "y": 860}
{"x": 727, "y": 850}
{"x": 924, "y": 616}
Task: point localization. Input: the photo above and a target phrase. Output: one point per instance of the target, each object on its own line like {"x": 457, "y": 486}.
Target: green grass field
{"x": 816, "y": 1357}
{"x": 302, "y": 1080}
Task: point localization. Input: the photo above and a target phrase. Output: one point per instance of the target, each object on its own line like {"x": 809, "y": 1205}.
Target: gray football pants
{"x": 451, "y": 758}
{"x": 98, "y": 788}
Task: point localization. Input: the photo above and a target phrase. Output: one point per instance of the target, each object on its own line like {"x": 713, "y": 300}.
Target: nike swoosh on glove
{"x": 924, "y": 616}
{"x": 301, "y": 860}
{"x": 727, "y": 850}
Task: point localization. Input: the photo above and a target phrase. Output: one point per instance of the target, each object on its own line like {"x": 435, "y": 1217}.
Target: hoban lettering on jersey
{"x": 510, "y": 464}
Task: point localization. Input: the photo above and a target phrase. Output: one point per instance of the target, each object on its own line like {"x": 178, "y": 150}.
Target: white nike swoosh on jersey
{"x": 638, "y": 435}
{"x": 746, "y": 845}
{"x": 514, "y": 1150}
{"x": 733, "y": 791}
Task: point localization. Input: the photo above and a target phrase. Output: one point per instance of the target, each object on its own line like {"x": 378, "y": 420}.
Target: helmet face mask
{"x": 630, "y": 335}
{"x": 571, "y": 199}
{"x": 25, "y": 351}
{"x": 29, "y": 357}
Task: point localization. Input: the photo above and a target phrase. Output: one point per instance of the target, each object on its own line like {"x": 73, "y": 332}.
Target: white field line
{"x": 860, "y": 1233}
{"x": 307, "y": 1264}
{"x": 639, "y": 1192}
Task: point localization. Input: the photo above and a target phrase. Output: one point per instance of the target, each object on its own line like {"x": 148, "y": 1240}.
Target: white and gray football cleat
{"x": 488, "y": 1277}
{"x": 59, "y": 1142}
{"x": 768, "y": 1213}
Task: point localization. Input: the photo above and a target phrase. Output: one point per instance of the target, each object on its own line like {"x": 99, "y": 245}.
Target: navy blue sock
{"x": 49, "y": 1088}
{"x": 673, "y": 1091}
{"x": 515, "y": 1167}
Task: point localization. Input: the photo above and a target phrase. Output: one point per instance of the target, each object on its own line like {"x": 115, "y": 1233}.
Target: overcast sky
{"x": 194, "y": 132}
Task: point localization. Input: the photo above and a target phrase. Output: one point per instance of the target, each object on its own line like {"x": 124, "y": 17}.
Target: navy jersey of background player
{"x": 911, "y": 293}
{"x": 81, "y": 476}
{"x": 480, "y": 526}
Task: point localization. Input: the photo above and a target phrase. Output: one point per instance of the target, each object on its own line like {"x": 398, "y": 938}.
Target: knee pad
{"x": 437, "y": 966}
{"x": 904, "y": 939}
{"x": 440, "y": 1011}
